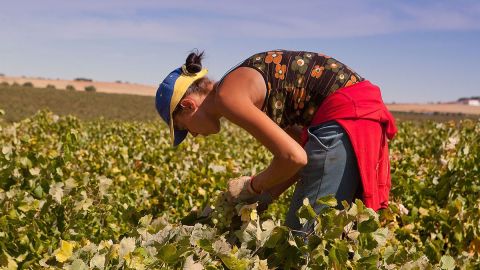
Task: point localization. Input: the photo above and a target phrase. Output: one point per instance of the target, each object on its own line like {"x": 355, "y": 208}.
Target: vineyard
{"x": 105, "y": 194}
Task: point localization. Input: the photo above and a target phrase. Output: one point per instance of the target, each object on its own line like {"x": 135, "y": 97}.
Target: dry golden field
{"x": 103, "y": 87}
{"x": 149, "y": 90}
{"x": 435, "y": 108}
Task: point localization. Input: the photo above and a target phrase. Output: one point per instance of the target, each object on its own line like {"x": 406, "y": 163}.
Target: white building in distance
{"x": 473, "y": 101}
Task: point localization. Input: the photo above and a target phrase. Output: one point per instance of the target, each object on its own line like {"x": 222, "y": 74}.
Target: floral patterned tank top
{"x": 297, "y": 83}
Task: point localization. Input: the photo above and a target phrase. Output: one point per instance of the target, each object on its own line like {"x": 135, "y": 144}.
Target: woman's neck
{"x": 210, "y": 108}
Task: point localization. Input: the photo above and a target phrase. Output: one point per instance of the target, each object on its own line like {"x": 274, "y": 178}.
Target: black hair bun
{"x": 193, "y": 63}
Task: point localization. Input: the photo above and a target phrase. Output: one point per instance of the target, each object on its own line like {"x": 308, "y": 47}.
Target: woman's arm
{"x": 295, "y": 132}
{"x": 236, "y": 105}
{"x": 277, "y": 190}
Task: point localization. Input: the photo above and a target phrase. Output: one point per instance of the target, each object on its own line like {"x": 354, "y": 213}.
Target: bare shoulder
{"x": 239, "y": 100}
{"x": 242, "y": 85}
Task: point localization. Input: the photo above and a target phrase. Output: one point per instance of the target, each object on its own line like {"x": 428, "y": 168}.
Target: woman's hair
{"x": 193, "y": 64}
{"x": 194, "y": 61}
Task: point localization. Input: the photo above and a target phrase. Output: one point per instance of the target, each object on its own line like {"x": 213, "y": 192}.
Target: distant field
{"x": 21, "y": 102}
{"x": 438, "y": 112}
{"x": 435, "y": 108}
{"x": 104, "y": 87}
{"x": 435, "y": 112}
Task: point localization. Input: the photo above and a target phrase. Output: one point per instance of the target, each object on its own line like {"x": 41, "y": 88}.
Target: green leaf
{"x": 338, "y": 254}
{"x": 368, "y": 226}
{"x": 190, "y": 264}
{"x": 235, "y": 264}
{"x": 205, "y": 244}
{"x": 98, "y": 261}
{"x": 367, "y": 242}
{"x": 38, "y": 192}
{"x": 190, "y": 219}
{"x": 127, "y": 245}
{"x": 369, "y": 262}
{"x": 221, "y": 247}
{"x": 145, "y": 220}
{"x": 278, "y": 235}
{"x": 313, "y": 242}
{"x": 201, "y": 232}
{"x": 432, "y": 251}
{"x": 248, "y": 232}
{"x": 447, "y": 262}
{"x": 380, "y": 235}
{"x": 260, "y": 264}
{"x": 8, "y": 262}
{"x": 353, "y": 211}
{"x": 306, "y": 212}
{"x": 389, "y": 251}
{"x": 78, "y": 265}
{"x": 328, "y": 200}
{"x": 167, "y": 253}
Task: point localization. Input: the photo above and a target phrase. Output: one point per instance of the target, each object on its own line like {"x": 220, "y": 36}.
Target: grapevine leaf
{"x": 247, "y": 233}
{"x": 127, "y": 245}
{"x": 278, "y": 235}
{"x": 368, "y": 226}
{"x": 8, "y": 262}
{"x": 447, "y": 262}
{"x": 201, "y": 232}
{"x": 65, "y": 251}
{"x": 369, "y": 262}
{"x": 260, "y": 264}
{"x": 328, "y": 200}
{"x": 306, "y": 212}
{"x": 221, "y": 247}
{"x": 190, "y": 264}
{"x": 338, "y": 254}
{"x": 235, "y": 264}
{"x": 78, "y": 264}
{"x": 98, "y": 261}
{"x": 168, "y": 253}
{"x": 380, "y": 235}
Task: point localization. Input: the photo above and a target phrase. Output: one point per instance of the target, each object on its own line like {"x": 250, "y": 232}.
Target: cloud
{"x": 124, "y": 29}
{"x": 192, "y": 21}
{"x": 439, "y": 16}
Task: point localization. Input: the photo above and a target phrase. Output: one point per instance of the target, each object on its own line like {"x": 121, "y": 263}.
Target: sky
{"x": 416, "y": 51}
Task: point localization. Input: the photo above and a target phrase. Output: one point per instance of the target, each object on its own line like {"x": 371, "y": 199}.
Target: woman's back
{"x": 297, "y": 82}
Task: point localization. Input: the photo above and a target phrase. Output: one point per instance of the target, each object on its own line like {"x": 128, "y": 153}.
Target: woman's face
{"x": 194, "y": 117}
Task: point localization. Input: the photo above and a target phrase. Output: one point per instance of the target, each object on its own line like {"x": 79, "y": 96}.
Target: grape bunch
{"x": 223, "y": 212}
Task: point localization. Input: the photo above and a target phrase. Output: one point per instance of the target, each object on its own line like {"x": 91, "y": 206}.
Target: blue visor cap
{"x": 163, "y": 100}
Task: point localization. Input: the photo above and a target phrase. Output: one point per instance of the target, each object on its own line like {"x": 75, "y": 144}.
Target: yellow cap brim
{"x": 181, "y": 86}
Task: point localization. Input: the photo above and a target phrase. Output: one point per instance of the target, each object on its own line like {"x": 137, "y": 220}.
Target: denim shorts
{"x": 331, "y": 169}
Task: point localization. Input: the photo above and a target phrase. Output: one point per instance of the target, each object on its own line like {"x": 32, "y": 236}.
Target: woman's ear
{"x": 188, "y": 105}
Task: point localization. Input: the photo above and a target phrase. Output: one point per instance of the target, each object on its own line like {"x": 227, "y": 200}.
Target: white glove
{"x": 240, "y": 190}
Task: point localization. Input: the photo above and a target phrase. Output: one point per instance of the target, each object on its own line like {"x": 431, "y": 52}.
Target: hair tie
{"x": 186, "y": 72}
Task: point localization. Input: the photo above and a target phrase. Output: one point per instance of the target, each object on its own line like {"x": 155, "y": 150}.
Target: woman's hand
{"x": 240, "y": 104}
{"x": 239, "y": 190}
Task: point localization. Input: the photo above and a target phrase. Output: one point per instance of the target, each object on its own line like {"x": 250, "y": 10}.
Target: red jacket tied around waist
{"x": 360, "y": 110}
